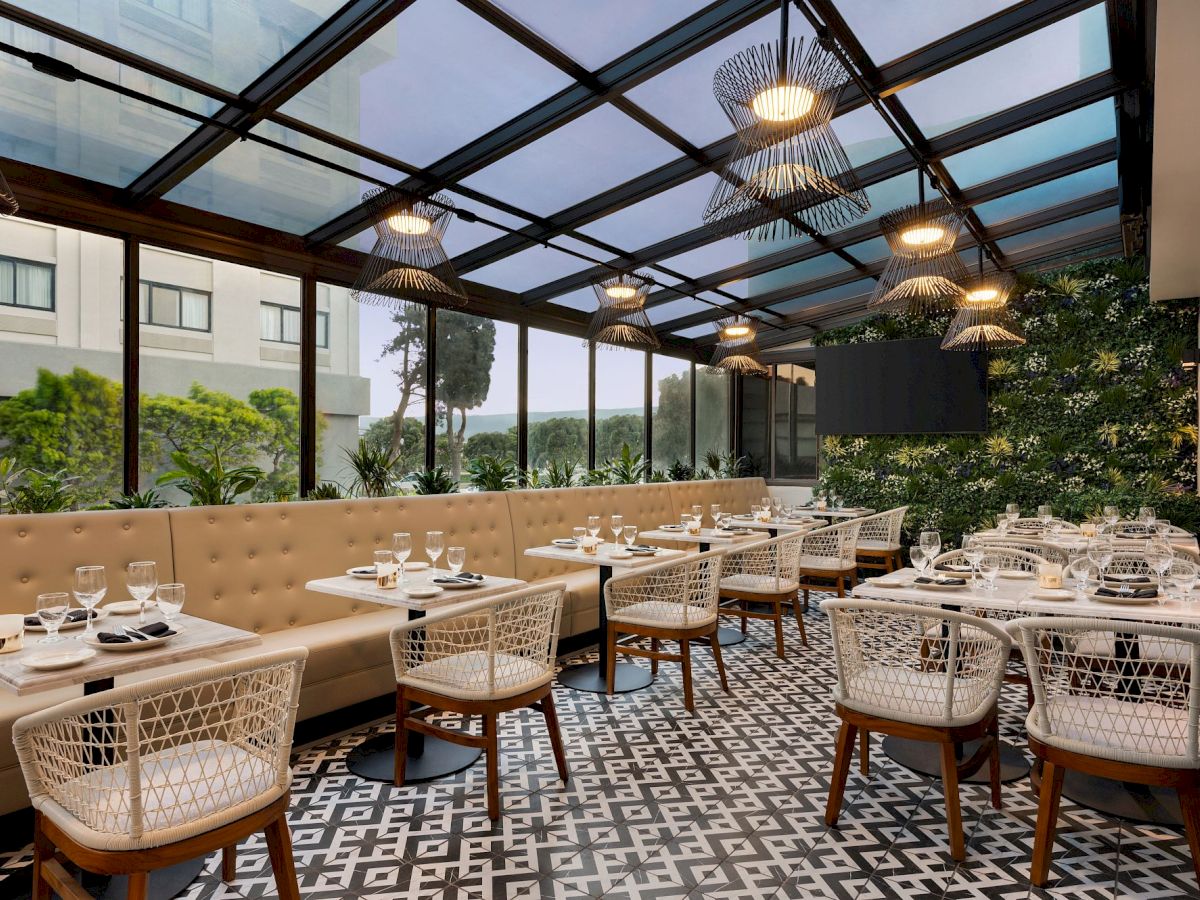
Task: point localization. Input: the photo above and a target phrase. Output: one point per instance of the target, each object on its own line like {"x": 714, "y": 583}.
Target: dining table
{"x": 777, "y": 525}
{"x": 1012, "y": 598}
{"x": 195, "y": 639}
{"x": 1073, "y": 542}
{"x": 428, "y": 757}
{"x": 593, "y": 677}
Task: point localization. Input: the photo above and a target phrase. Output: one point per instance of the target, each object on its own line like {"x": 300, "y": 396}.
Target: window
{"x": 756, "y": 423}
{"x": 194, "y": 12}
{"x": 27, "y": 284}
{"x": 282, "y": 324}
{"x": 175, "y": 307}
{"x": 672, "y": 411}
{"x": 795, "y": 422}
{"x": 712, "y": 412}
{"x": 620, "y": 401}
{"x": 558, "y": 399}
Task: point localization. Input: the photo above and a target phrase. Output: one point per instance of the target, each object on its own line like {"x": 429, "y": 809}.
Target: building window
{"x": 27, "y": 284}
{"x": 175, "y": 307}
{"x": 282, "y": 324}
{"x": 194, "y": 12}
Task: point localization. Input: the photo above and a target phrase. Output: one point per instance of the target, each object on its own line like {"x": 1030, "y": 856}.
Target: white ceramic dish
{"x": 670, "y": 528}
{"x": 415, "y": 566}
{"x": 101, "y": 612}
{"x": 1051, "y": 594}
{"x": 888, "y": 582}
{"x": 362, "y": 572}
{"x": 421, "y": 593}
{"x": 127, "y": 607}
{"x": 643, "y": 552}
{"x": 51, "y": 660}
{"x": 1015, "y": 575}
{"x": 934, "y": 586}
{"x": 1128, "y": 600}
{"x": 134, "y": 645}
{"x": 621, "y": 554}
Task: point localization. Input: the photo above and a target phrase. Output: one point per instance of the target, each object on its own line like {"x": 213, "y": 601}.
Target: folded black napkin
{"x": 640, "y": 547}
{"x": 464, "y": 578}
{"x": 474, "y": 576}
{"x": 154, "y": 630}
{"x": 75, "y": 615}
{"x": 952, "y": 567}
{"x": 1140, "y": 594}
{"x": 1129, "y": 579}
{"x": 923, "y": 580}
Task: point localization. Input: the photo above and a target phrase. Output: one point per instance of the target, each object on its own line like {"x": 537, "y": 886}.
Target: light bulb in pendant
{"x": 784, "y": 103}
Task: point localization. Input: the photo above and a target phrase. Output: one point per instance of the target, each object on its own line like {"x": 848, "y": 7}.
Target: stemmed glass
{"x": 593, "y": 526}
{"x": 1045, "y": 513}
{"x": 766, "y": 503}
{"x": 931, "y": 543}
{"x": 917, "y": 554}
{"x": 434, "y": 541}
{"x": 402, "y": 550}
{"x": 456, "y": 558}
{"x": 616, "y": 523}
{"x": 1112, "y": 515}
{"x": 1146, "y": 516}
{"x": 776, "y": 507}
{"x": 973, "y": 551}
{"x": 1012, "y": 512}
{"x": 1100, "y": 552}
{"x": 1159, "y": 557}
{"x": 52, "y": 610}
{"x": 989, "y": 568}
{"x": 141, "y": 579}
{"x": 90, "y": 588}
{"x": 1183, "y": 577}
{"x": 715, "y": 510}
{"x": 1162, "y": 527}
{"x": 170, "y": 601}
{"x": 631, "y": 532}
{"x": 1081, "y": 571}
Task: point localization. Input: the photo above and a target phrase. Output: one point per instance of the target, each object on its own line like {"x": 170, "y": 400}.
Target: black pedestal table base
{"x": 925, "y": 757}
{"x": 1123, "y": 799}
{"x": 593, "y": 676}
{"x": 727, "y": 637}
{"x": 375, "y": 758}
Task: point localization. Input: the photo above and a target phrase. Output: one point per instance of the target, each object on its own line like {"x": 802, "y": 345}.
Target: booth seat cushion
{"x": 581, "y": 601}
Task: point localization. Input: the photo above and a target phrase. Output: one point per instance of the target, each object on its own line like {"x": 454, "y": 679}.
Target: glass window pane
{"x": 695, "y": 331}
{"x": 143, "y": 302}
{"x": 60, "y": 385}
{"x": 536, "y": 266}
{"x": 808, "y": 302}
{"x": 798, "y": 273}
{"x": 890, "y": 30}
{"x": 270, "y": 317}
{"x": 164, "y": 305}
{"x": 1052, "y": 193}
{"x": 709, "y": 258}
{"x": 865, "y": 136}
{"x": 756, "y": 423}
{"x": 712, "y": 412}
{"x": 291, "y": 326}
{"x": 558, "y": 400}
{"x": 323, "y": 330}
{"x": 672, "y": 411}
{"x": 583, "y": 299}
{"x": 655, "y": 218}
{"x": 795, "y": 422}
{"x": 620, "y": 401}
{"x": 674, "y": 309}
{"x": 35, "y": 286}
{"x": 1029, "y": 240}
{"x": 1052, "y": 57}
{"x": 195, "y": 310}
{"x": 431, "y": 81}
{"x": 476, "y": 390}
{"x": 574, "y": 162}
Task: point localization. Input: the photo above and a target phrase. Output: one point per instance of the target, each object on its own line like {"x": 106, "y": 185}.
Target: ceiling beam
{"x": 353, "y": 24}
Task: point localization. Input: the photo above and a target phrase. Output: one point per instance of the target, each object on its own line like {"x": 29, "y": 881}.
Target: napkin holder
{"x": 12, "y": 633}
{"x": 1050, "y": 576}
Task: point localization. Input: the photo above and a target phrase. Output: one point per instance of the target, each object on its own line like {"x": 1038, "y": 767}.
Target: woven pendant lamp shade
{"x": 8, "y": 200}
{"x": 787, "y": 161}
{"x": 620, "y": 319}
{"x": 408, "y": 263}
{"x": 984, "y": 321}
{"x": 737, "y": 346}
{"x": 924, "y": 274}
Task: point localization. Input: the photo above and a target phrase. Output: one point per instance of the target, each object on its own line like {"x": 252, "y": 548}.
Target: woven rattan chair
{"x": 1127, "y": 527}
{"x": 879, "y": 540}
{"x": 479, "y": 659}
{"x": 1038, "y": 524}
{"x": 139, "y": 778}
{"x": 672, "y": 601}
{"x": 829, "y": 554}
{"x": 763, "y": 574}
{"x": 1047, "y": 551}
{"x": 949, "y": 697}
{"x": 1097, "y": 711}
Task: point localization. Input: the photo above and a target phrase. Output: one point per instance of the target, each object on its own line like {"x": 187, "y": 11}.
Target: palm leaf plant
{"x": 374, "y": 469}
{"x": 211, "y": 484}
{"x": 433, "y": 481}
{"x": 491, "y": 473}
{"x": 627, "y": 467}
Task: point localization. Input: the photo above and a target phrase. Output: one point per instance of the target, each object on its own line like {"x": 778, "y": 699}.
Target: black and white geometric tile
{"x": 727, "y": 802}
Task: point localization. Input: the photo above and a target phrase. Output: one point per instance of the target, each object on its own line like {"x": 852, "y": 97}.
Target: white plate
{"x": 129, "y": 607}
{"x": 1015, "y": 574}
{"x": 50, "y": 660}
{"x": 565, "y": 542}
{"x": 933, "y": 586}
{"x": 670, "y": 528}
{"x": 621, "y": 554}
{"x": 70, "y": 626}
{"x": 415, "y": 566}
{"x": 1051, "y": 594}
{"x": 888, "y": 582}
{"x": 134, "y": 645}
{"x": 421, "y": 593}
{"x": 362, "y": 572}
{"x": 459, "y": 585}
{"x": 1124, "y": 601}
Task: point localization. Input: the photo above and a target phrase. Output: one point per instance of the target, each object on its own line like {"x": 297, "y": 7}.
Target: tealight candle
{"x": 1088, "y": 529}
{"x": 1050, "y": 575}
{"x": 693, "y": 526}
{"x": 589, "y": 544}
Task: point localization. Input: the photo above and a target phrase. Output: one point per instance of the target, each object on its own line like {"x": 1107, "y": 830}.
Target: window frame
{"x": 179, "y": 289}
{"x": 321, "y": 313}
{"x": 53, "y": 267}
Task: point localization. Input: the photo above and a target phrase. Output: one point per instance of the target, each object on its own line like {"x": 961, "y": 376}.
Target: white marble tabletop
{"x": 782, "y": 526}
{"x": 196, "y": 638}
{"x": 1075, "y": 542}
{"x": 855, "y": 512}
{"x": 704, "y": 536}
{"x": 602, "y": 557}
{"x": 366, "y": 589}
{"x": 1013, "y": 595}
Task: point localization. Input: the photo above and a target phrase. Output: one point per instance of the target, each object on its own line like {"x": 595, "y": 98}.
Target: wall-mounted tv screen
{"x": 900, "y": 387}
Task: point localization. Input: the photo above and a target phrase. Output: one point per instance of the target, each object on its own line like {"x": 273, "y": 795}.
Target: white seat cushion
{"x": 1150, "y": 649}
{"x": 466, "y": 675}
{"x": 830, "y": 563}
{"x": 762, "y": 584}
{"x": 876, "y": 546}
{"x": 663, "y": 614}
{"x": 1148, "y": 733}
{"x": 908, "y": 695}
{"x": 179, "y": 787}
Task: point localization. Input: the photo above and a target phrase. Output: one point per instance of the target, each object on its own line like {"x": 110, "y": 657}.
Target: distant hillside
{"x": 478, "y": 424}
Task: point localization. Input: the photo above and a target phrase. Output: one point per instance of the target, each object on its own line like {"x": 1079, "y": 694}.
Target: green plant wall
{"x": 1096, "y": 408}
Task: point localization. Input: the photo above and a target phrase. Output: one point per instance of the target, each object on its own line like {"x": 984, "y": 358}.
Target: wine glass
{"x": 1045, "y": 513}
{"x": 1183, "y": 577}
{"x": 1083, "y": 571}
{"x": 1146, "y": 516}
{"x": 434, "y": 541}
{"x": 931, "y": 543}
{"x": 141, "y": 580}
{"x": 90, "y": 588}
{"x": 616, "y": 523}
{"x": 1162, "y": 527}
{"x": 1100, "y": 552}
{"x": 917, "y": 554}
{"x": 1112, "y": 515}
{"x": 631, "y": 532}
{"x": 456, "y": 558}
{"x": 1159, "y": 557}
{"x": 766, "y": 503}
{"x": 402, "y": 550}
{"x": 593, "y": 525}
{"x": 170, "y": 601}
{"x": 776, "y": 507}
{"x": 973, "y": 551}
{"x": 52, "y": 610}
{"x": 715, "y": 511}
{"x": 1012, "y": 512}
{"x": 989, "y": 568}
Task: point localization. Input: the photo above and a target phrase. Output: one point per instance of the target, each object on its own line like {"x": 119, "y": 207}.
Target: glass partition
{"x": 558, "y": 400}
{"x": 795, "y": 422}
{"x": 671, "y": 411}
{"x": 756, "y": 423}
{"x": 712, "y": 412}
{"x": 620, "y": 401}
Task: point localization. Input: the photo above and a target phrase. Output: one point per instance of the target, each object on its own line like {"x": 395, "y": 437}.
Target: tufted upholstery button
{"x": 292, "y": 622}
{"x": 247, "y": 517}
{"x": 78, "y": 529}
{"x": 250, "y": 556}
{"x": 24, "y": 579}
{"x": 211, "y": 520}
{"x": 289, "y": 585}
{"x": 257, "y": 629}
{"x": 216, "y": 596}
{"x": 354, "y": 608}
{"x": 21, "y": 533}
{"x": 285, "y": 551}
{"x": 283, "y": 515}
{"x": 254, "y": 590}
{"x": 125, "y": 526}
{"x": 212, "y": 559}
{"x": 349, "y": 543}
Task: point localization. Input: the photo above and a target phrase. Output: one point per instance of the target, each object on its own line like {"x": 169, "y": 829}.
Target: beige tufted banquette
{"x": 247, "y": 566}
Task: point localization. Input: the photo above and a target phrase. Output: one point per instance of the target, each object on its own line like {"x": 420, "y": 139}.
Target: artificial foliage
{"x": 1095, "y": 409}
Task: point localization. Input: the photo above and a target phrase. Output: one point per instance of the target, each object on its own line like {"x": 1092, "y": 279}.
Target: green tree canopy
{"x": 560, "y": 439}
{"x": 500, "y": 444}
{"x": 672, "y": 419}
{"x": 466, "y": 347}
{"x": 615, "y": 431}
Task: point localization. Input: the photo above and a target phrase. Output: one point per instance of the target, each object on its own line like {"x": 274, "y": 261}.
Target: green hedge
{"x": 1095, "y": 409}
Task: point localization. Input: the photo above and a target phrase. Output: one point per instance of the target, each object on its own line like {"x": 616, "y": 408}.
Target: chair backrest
{"x": 168, "y": 758}
{"x": 1010, "y": 558}
{"x": 925, "y": 665}
{"x": 1132, "y": 528}
{"x": 1048, "y": 552}
{"x": 833, "y": 542}
{"x": 771, "y": 562}
{"x": 1039, "y": 524}
{"x": 884, "y": 526}
{"x": 1094, "y": 693}
{"x": 683, "y": 591}
{"x": 1129, "y": 562}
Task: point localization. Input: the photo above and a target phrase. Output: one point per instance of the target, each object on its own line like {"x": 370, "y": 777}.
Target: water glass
{"x": 1162, "y": 527}
{"x": 456, "y": 558}
{"x": 616, "y": 523}
{"x": 1111, "y": 516}
{"x": 593, "y": 525}
{"x": 52, "y": 610}
{"x": 385, "y": 569}
{"x": 90, "y": 588}
{"x": 170, "y": 601}
{"x": 766, "y": 503}
{"x": 401, "y": 549}
{"x": 973, "y": 551}
{"x": 715, "y": 511}
{"x": 631, "y": 533}
{"x": 1012, "y": 512}
{"x": 989, "y": 568}
{"x": 1183, "y": 578}
{"x": 141, "y": 580}
{"x": 776, "y": 506}
{"x": 1159, "y": 557}
{"x": 1083, "y": 572}
{"x": 1146, "y": 515}
{"x": 578, "y": 532}
{"x": 918, "y": 557}
{"x": 434, "y": 542}
{"x": 1100, "y": 552}
{"x": 1045, "y": 513}
{"x": 931, "y": 543}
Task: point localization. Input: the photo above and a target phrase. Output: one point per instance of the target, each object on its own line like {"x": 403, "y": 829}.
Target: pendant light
{"x": 620, "y": 318}
{"x": 984, "y": 321}
{"x": 787, "y": 161}
{"x": 737, "y": 346}
{"x": 408, "y": 263}
{"x": 924, "y": 274}
{"x": 8, "y": 200}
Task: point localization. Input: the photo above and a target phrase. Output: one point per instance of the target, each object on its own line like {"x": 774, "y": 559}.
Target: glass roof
{"x": 798, "y": 273}
{"x": 888, "y": 30}
{"x": 713, "y": 257}
{"x": 657, "y": 217}
{"x": 859, "y": 288}
{"x": 1028, "y": 240}
{"x": 675, "y": 309}
{"x": 534, "y": 266}
{"x": 1052, "y": 193}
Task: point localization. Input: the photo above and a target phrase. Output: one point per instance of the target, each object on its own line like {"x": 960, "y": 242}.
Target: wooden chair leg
{"x": 229, "y": 863}
{"x": 138, "y": 885}
{"x": 401, "y": 761}
{"x": 1189, "y": 802}
{"x": 610, "y": 654}
{"x": 864, "y": 752}
{"x": 745, "y": 604}
{"x": 800, "y": 619}
{"x": 779, "y": 630}
{"x": 279, "y": 848}
{"x": 994, "y": 767}
{"x": 958, "y": 847}
{"x": 43, "y": 851}
{"x": 685, "y": 652}
{"x": 841, "y": 586}
{"x": 1047, "y": 822}
{"x": 715, "y": 642}
{"x": 493, "y": 765}
{"x": 556, "y": 741}
{"x": 841, "y": 771}
{"x": 806, "y": 599}
{"x": 654, "y": 660}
